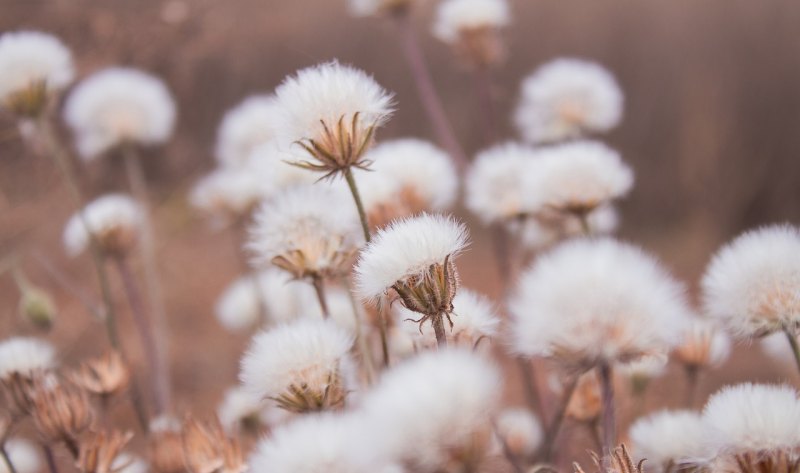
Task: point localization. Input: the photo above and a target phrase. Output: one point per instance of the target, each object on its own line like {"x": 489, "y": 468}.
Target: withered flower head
{"x": 22, "y": 360}
{"x": 473, "y": 27}
{"x": 113, "y": 220}
{"x": 621, "y": 462}
{"x": 104, "y": 376}
{"x": 164, "y": 446}
{"x": 207, "y": 449}
{"x": 61, "y": 411}
{"x": 99, "y": 452}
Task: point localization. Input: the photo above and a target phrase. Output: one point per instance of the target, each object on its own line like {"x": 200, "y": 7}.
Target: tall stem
{"x": 50, "y": 458}
{"x": 138, "y": 185}
{"x": 692, "y": 375}
{"x": 793, "y": 343}
{"x": 319, "y": 289}
{"x": 427, "y": 91}
{"x": 382, "y": 330}
{"x": 361, "y": 342}
{"x": 530, "y": 386}
{"x": 609, "y": 418}
{"x": 362, "y": 215}
{"x": 144, "y": 326}
{"x": 7, "y": 459}
{"x": 558, "y": 420}
{"x": 438, "y": 329}
{"x": 483, "y": 88}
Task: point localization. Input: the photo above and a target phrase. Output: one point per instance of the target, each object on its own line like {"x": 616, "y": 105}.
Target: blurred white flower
{"x": 23, "y": 455}
{"x": 25, "y": 356}
{"x": 115, "y": 222}
{"x": 777, "y": 348}
{"x": 228, "y": 193}
{"x": 434, "y": 408}
{"x": 752, "y": 284}
{"x": 309, "y": 231}
{"x": 246, "y": 126}
{"x": 703, "y": 345}
{"x": 302, "y": 366}
{"x": 239, "y": 409}
{"x": 239, "y": 307}
{"x": 645, "y": 368}
{"x": 331, "y": 110}
{"x": 378, "y": 7}
{"x": 456, "y": 18}
{"x": 540, "y": 233}
{"x": 668, "y": 439}
{"x": 128, "y": 463}
{"x": 118, "y": 106}
{"x": 596, "y": 301}
{"x": 271, "y": 163}
{"x": 33, "y": 66}
{"x": 520, "y": 430}
{"x": 567, "y": 98}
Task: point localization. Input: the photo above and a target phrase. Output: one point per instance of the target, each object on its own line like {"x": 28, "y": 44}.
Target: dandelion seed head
{"x": 454, "y": 18}
{"x": 25, "y": 355}
{"x": 251, "y": 123}
{"x": 117, "y": 106}
{"x": 115, "y": 221}
{"x": 271, "y": 163}
{"x": 520, "y": 430}
{"x": 379, "y": 7}
{"x": 239, "y": 408}
{"x": 23, "y": 455}
{"x": 668, "y": 436}
{"x": 645, "y": 368}
{"x": 703, "y": 344}
{"x": 228, "y": 193}
{"x": 567, "y": 98}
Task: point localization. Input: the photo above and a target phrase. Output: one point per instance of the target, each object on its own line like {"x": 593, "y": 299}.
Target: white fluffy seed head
{"x": 303, "y": 352}
{"x": 325, "y": 93}
{"x": 128, "y": 463}
{"x": 228, "y": 193}
{"x": 668, "y": 437}
{"x": 25, "y": 355}
{"x": 752, "y": 285}
{"x": 309, "y": 230}
{"x": 456, "y": 17}
{"x": 579, "y": 177}
{"x": 30, "y": 57}
{"x": 246, "y": 126}
{"x": 239, "y": 408}
{"x": 119, "y": 105}
{"x": 703, "y": 344}
{"x": 406, "y": 248}
{"x": 238, "y": 308}
{"x": 474, "y": 318}
{"x": 567, "y": 98}
{"x": 457, "y": 390}
{"x": 538, "y": 234}
{"x": 326, "y": 443}
{"x": 270, "y": 162}
{"x": 495, "y": 189}
{"x": 645, "y": 368}
{"x": 378, "y": 7}
{"x": 520, "y": 430}
{"x": 23, "y": 455}
{"x": 115, "y": 221}
{"x": 752, "y": 418}
{"x": 596, "y": 300}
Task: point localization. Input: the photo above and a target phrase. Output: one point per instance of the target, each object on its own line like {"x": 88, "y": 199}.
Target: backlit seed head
{"x": 473, "y": 28}
{"x": 103, "y": 376}
{"x": 208, "y": 449}
{"x": 100, "y": 451}
{"x": 380, "y": 7}
{"x": 114, "y": 221}
{"x": 61, "y": 411}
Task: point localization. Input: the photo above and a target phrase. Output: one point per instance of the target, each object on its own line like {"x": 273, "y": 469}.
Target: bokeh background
{"x": 711, "y": 129}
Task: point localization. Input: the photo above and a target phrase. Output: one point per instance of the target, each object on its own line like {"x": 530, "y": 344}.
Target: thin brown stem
{"x": 510, "y": 456}
{"x": 362, "y": 215}
{"x": 501, "y": 244}
{"x": 692, "y": 377}
{"x": 558, "y": 420}
{"x": 7, "y": 459}
{"x": 483, "y": 88}
{"x": 76, "y": 291}
{"x": 50, "y": 458}
{"x": 605, "y": 374}
{"x": 428, "y": 95}
{"x": 790, "y": 336}
{"x": 319, "y": 289}
{"x": 361, "y": 341}
{"x": 529, "y": 385}
{"x": 438, "y": 329}
{"x": 383, "y": 331}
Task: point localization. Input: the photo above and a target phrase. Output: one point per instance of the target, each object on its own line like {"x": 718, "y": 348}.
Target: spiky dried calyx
{"x": 207, "y": 449}
{"x": 99, "y": 451}
{"x": 301, "y": 398}
{"x": 104, "y": 376}
{"x": 766, "y": 462}
{"x": 60, "y": 411}
{"x": 301, "y": 262}
{"x": 339, "y": 147}
{"x": 430, "y": 292}
{"x": 620, "y": 461}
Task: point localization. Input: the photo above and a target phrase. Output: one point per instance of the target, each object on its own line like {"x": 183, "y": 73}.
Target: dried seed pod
{"x": 100, "y": 451}
{"x": 207, "y": 449}
{"x": 61, "y": 411}
{"x": 103, "y": 376}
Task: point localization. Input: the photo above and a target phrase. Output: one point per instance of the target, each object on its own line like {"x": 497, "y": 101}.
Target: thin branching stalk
{"x": 138, "y": 185}
{"x": 361, "y": 341}
{"x": 790, "y": 336}
{"x": 529, "y": 386}
{"x": 438, "y": 330}
{"x": 558, "y": 420}
{"x": 362, "y": 215}
{"x": 382, "y": 330}
{"x": 692, "y": 381}
{"x": 319, "y": 290}
{"x": 145, "y": 330}
{"x": 483, "y": 90}
{"x": 606, "y": 376}
{"x": 52, "y": 466}
{"x": 7, "y": 459}
{"x": 427, "y": 91}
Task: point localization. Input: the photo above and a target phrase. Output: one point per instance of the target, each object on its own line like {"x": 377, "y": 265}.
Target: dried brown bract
{"x": 103, "y": 376}
{"x": 99, "y": 451}
{"x": 619, "y": 462}
{"x": 165, "y": 446}
{"x": 61, "y": 412}
{"x": 207, "y": 449}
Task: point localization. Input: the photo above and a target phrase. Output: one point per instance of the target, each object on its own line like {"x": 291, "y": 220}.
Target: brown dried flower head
{"x": 776, "y": 461}
{"x": 207, "y": 449}
{"x": 620, "y": 462}
{"x": 165, "y": 445}
{"x": 100, "y": 450}
{"x": 482, "y": 46}
{"x": 61, "y": 411}
{"x": 103, "y": 376}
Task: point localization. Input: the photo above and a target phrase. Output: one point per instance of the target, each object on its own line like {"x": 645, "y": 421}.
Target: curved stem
{"x": 483, "y": 87}
{"x": 609, "y": 418}
{"x": 530, "y": 386}
{"x": 558, "y": 420}
{"x": 319, "y": 289}
{"x": 362, "y": 215}
{"x": 438, "y": 329}
{"x": 793, "y": 343}
{"x": 383, "y": 329}
{"x": 427, "y": 91}
{"x": 50, "y": 458}
{"x": 361, "y": 341}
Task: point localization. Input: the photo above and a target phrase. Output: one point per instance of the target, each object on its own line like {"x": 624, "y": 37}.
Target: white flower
{"x": 25, "y": 356}
{"x": 240, "y": 305}
{"x": 567, "y": 98}
{"x": 23, "y": 455}
{"x": 238, "y": 408}
{"x": 28, "y": 60}
{"x": 271, "y": 163}
{"x": 596, "y": 301}
{"x": 645, "y": 368}
{"x": 519, "y": 430}
{"x": 752, "y": 418}
{"x": 128, "y": 463}
{"x": 473, "y": 318}
{"x": 332, "y": 110}
{"x": 457, "y": 17}
{"x": 538, "y": 234}
{"x": 246, "y": 126}
{"x": 406, "y": 249}
{"x": 578, "y": 177}
{"x": 495, "y": 189}
{"x": 309, "y": 231}
{"x": 228, "y": 193}
{"x": 406, "y": 176}
{"x": 301, "y": 365}
{"x": 119, "y": 105}
{"x": 667, "y": 438}
{"x": 115, "y": 221}
{"x": 752, "y": 285}
{"x": 325, "y": 443}
{"x": 377, "y": 7}
{"x": 703, "y": 345}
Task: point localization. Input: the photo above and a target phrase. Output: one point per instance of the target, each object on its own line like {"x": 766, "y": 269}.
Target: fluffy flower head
{"x": 25, "y": 356}
{"x": 378, "y": 7}
{"x": 116, "y": 106}
{"x": 666, "y": 437}
{"x": 115, "y": 221}
{"x": 251, "y": 123}
{"x": 455, "y": 18}
{"x": 520, "y": 430}
{"x": 566, "y": 98}
{"x": 228, "y": 193}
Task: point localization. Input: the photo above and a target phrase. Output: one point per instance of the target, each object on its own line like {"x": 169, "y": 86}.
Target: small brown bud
{"x": 207, "y": 449}
{"x": 104, "y": 376}
{"x": 37, "y": 307}
{"x": 61, "y": 412}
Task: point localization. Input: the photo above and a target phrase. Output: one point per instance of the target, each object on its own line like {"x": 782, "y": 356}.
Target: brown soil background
{"x": 711, "y": 119}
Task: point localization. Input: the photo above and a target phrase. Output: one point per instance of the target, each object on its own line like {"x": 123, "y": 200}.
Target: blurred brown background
{"x": 711, "y": 129}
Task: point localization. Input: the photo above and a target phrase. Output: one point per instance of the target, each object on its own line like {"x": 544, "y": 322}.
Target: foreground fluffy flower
{"x": 413, "y": 259}
{"x": 434, "y": 409}
{"x": 118, "y": 106}
{"x": 567, "y": 98}
{"x": 472, "y": 27}
{"x": 407, "y": 176}
{"x": 23, "y": 455}
{"x": 308, "y": 231}
{"x": 115, "y": 222}
{"x": 332, "y": 111}
{"x": 495, "y": 183}
{"x": 520, "y": 431}
{"x": 33, "y": 66}
{"x": 668, "y": 439}
{"x": 25, "y": 356}
{"x": 229, "y": 194}
{"x": 301, "y": 366}
{"x": 752, "y": 285}
{"x": 590, "y": 302}
{"x": 753, "y": 426}
{"x": 248, "y": 125}
{"x": 324, "y": 443}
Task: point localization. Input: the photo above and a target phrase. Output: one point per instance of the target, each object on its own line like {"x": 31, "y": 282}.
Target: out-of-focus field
{"x": 711, "y": 128}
